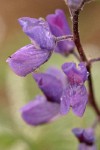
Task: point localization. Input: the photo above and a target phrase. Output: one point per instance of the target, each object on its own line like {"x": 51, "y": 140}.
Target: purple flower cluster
{"x": 62, "y": 90}
{"x": 42, "y": 35}
{"x": 45, "y": 108}
{"x": 31, "y": 56}
{"x": 60, "y": 93}
{"x": 59, "y": 27}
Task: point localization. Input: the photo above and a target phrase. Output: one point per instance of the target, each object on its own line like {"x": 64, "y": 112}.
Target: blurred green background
{"x": 16, "y": 91}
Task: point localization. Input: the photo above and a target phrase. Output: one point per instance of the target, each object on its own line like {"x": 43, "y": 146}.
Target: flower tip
{"x": 8, "y": 59}
{"x": 22, "y": 21}
{"x": 77, "y": 113}
{"x": 77, "y": 131}
{"x": 27, "y": 21}
{"x": 11, "y": 64}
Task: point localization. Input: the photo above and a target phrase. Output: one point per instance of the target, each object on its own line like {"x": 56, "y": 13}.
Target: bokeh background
{"x": 16, "y": 91}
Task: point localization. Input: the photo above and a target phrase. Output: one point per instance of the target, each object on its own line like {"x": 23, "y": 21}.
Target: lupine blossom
{"x": 86, "y": 138}
{"x": 57, "y": 92}
{"x": 59, "y": 27}
{"x": 75, "y": 95}
{"x": 60, "y": 92}
{"x": 27, "y": 59}
{"x": 31, "y": 56}
{"x": 45, "y": 108}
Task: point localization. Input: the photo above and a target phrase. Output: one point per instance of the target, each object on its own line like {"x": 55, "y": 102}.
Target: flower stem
{"x": 76, "y": 38}
{"x": 64, "y": 37}
{"x": 94, "y": 60}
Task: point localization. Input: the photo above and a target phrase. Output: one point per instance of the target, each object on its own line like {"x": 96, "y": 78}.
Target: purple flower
{"x": 75, "y": 75}
{"x": 75, "y": 94}
{"x": 45, "y": 108}
{"x": 76, "y": 97}
{"x": 38, "y": 31}
{"x": 39, "y": 111}
{"x": 86, "y": 138}
{"x": 31, "y": 56}
{"x": 59, "y": 26}
{"x": 27, "y": 59}
{"x": 50, "y": 86}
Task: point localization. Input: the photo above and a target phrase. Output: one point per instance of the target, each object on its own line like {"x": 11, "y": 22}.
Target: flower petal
{"x": 75, "y": 75}
{"x": 39, "y": 32}
{"x": 83, "y": 146}
{"x": 27, "y": 21}
{"x": 59, "y": 26}
{"x": 65, "y": 104}
{"x": 64, "y": 47}
{"x": 79, "y": 100}
{"x": 86, "y": 138}
{"x": 39, "y": 111}
{"x": 27, "y": 59}
{"x": 89, "y": 137}
{"x": 58, "y": 74}
{"x": 50, "y": 86}
{"x": 58, "y": 21}
{"x": 76, "y": 97}
{"x": 78, "y": 132}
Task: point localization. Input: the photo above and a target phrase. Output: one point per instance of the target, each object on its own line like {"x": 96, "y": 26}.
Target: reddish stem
{"x": 84, "y": 59}
{"x": 94, "y": 60}
{"x": 77, "y": 37}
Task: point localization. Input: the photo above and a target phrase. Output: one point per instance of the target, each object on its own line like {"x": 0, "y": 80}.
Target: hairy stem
{"x": 94, "y": 60}
{"x": 83, "y": 57}
{"x": 77, "y": 37}
{"x": 64, "y": 37}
